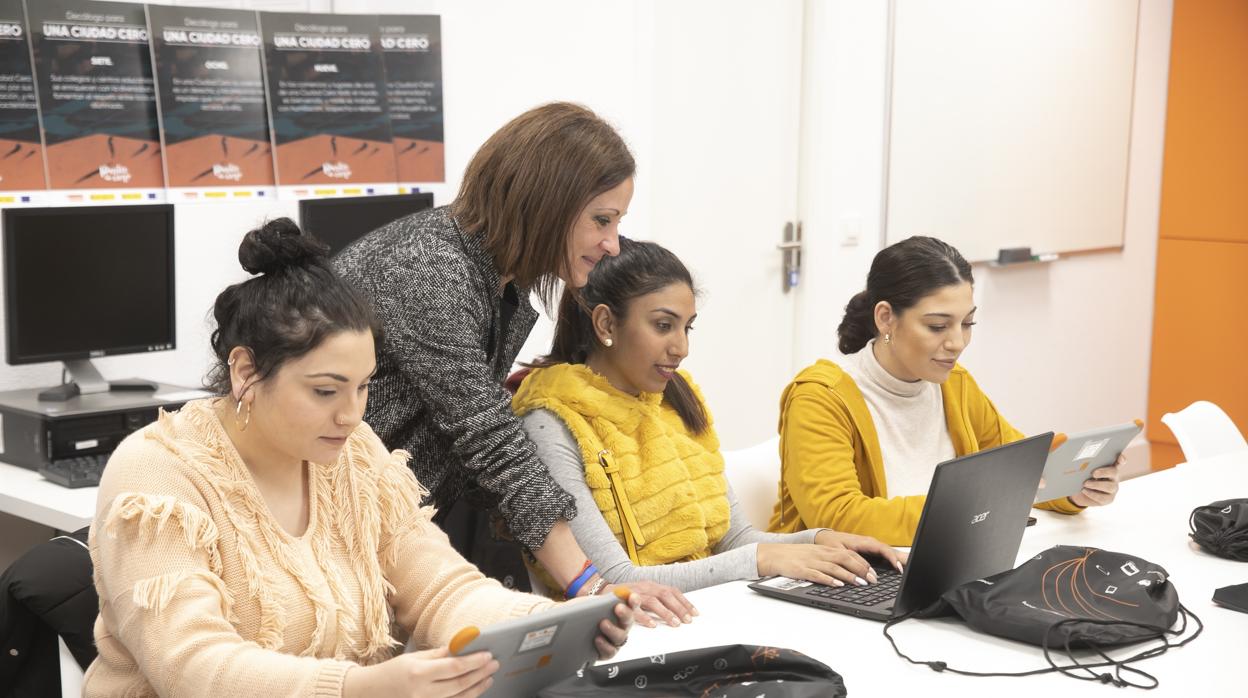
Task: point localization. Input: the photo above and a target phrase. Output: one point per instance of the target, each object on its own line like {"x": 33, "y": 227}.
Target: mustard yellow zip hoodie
{"x": 832, "y": 472}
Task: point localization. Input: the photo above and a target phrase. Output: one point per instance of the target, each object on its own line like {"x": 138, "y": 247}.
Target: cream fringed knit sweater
{"x": 203, "y": 593}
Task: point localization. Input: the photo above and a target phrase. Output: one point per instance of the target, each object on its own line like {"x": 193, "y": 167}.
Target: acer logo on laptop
{"x": 980, "y": 517}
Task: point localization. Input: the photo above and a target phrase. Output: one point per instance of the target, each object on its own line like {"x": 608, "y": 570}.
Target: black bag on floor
{"x": 1221, "y": 528}
{"x": 1071, "y": 598}
{"x": 718, "y": 671}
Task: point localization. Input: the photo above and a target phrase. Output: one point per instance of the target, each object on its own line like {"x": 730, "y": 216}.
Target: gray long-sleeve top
{"x": 735, "y": 555}
{"x": 438, "y": 391}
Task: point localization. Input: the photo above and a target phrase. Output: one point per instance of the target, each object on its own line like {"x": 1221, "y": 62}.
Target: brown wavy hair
{"x": 524, "y": 188}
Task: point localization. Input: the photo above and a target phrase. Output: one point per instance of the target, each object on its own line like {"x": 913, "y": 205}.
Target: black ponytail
{"x": 640, "y": 268}
{"x": 295, "y": 303}
{"x": 858, "y": 326}
{"x": 901, "y": 274}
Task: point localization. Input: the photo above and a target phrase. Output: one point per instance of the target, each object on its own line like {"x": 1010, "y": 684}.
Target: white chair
{"x": 71, "y": 673}
{"x": 754, "y": 474}
{"x": 1204, "y": 431}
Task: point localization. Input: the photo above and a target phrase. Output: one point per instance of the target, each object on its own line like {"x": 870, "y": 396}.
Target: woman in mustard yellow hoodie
{"x": 626, "y": 432}
{"x": 860, "y": 441}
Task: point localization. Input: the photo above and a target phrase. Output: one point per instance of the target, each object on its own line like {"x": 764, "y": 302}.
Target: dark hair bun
{"x": 279, "y": 245}
{"x": 858, "y": 326}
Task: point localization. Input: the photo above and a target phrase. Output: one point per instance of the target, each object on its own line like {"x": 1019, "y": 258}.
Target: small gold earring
{"x": 888, "y": 338}
{"x": 240, "y": 420}
{"x": 608, "y": 342}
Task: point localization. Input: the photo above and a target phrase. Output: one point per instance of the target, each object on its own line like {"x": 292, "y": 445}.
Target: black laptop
{"x": 971, "y": 527}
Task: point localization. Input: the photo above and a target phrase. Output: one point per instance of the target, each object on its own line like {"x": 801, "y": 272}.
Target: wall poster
{"x": 412, "y": 48}
{"x": 97, "y": 104}
{"x": 21, "y": 150}
{"x": 210, "y": 85}
{"x": 327, "y": 105}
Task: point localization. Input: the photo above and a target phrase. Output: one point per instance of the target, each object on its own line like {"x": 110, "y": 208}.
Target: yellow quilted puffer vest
{"x": 660, "y": 488}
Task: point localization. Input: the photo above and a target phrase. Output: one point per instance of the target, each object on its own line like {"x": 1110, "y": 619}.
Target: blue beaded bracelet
{"x": 579, "y": 582}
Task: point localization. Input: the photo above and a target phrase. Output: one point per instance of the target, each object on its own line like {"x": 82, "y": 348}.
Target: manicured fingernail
{"x": 688, "y": 618}
{"x": 696, "y": 612}
{"x": 673, "y": 622}
{"x": 837, "y": 583}
{"x": 897, "y": 564}
{"x": 871, "y": 576}
{"x": 861, "y": 582}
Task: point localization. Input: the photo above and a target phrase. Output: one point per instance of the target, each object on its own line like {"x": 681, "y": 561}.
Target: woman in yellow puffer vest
{"x": 629, "y": 436}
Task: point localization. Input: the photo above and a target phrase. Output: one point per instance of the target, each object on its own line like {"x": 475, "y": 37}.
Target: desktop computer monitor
{"x": 339, "y": 222}
{"x": 86, "y": 282}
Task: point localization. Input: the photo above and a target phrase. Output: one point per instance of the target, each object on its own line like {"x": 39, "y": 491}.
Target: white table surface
{"x": 1149, "y": 519}
{"x": 24, "y": 493}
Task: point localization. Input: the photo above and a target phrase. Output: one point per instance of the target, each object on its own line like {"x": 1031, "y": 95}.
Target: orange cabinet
{"x": 1206, "y": 158}
{"x": 1200, "y": 319}
{"x": 1200, "y": 331}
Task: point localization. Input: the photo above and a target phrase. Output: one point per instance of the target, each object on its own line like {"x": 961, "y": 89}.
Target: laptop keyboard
{"x": 871, "y": 595}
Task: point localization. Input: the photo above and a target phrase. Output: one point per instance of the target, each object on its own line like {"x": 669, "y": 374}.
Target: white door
{"x": 841, "y": 182}
{"x": 721, "y": 180}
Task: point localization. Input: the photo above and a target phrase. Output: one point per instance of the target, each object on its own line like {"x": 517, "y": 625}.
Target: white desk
{"x": 1148, "y": 519}
{"x": 24, "y": 493}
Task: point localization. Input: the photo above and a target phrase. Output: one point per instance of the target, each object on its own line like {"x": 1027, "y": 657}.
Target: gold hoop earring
{"x": 239, "y": 417}
{"x": 608, "y": 342}
{"x": 888, "y": 338}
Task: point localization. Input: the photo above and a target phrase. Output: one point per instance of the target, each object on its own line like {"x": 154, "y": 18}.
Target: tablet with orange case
{"x": 541, "y": 649}
{"x": 1073, "y": 458}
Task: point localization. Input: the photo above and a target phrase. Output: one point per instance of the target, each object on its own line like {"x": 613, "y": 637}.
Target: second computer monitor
{"x": 338, "y": 222}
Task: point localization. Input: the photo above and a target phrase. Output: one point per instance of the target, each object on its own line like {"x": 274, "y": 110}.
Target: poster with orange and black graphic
{"x": 210, "y": 87}
{"x": 327, "y": 104}
{"x": 412, "y": 48}
{"x": 93, "y": 74}
{"x": 21, "y": 152}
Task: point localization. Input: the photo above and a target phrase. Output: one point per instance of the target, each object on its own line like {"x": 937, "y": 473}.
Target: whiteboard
{"x": 1010, "y": 123}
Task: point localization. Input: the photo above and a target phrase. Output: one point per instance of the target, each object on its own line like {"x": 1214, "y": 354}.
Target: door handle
{"x": 791, "y": 249}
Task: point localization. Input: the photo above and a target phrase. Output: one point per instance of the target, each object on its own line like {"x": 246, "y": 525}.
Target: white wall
{"x": 504, "y": 58}
{"x": 1063, "y": 346}
{"x": 1048, "y": 355}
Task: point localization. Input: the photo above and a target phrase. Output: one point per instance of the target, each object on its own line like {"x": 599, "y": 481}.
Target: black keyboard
{"x": 871, "y": 595}
{"x": 79, "y": 471}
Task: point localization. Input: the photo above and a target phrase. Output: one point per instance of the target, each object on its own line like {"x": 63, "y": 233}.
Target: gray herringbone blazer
{"x": 438, "y": 391}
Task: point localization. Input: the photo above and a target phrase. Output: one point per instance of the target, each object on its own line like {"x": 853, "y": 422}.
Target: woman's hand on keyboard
{"x": 865, "y": 545}
{"x": 835, "y": 559}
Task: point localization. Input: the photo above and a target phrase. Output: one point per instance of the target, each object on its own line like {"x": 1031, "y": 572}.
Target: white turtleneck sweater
{"x": 909, "y": 419}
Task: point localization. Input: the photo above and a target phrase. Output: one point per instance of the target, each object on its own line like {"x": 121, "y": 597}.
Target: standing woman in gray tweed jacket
{"x": 540, "y": 202}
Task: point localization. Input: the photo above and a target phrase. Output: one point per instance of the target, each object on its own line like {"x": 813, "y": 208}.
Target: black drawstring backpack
{"x": 1221, "y": 528}
{"x": 720, "y": 671}
{"x": 1069, "y": 598}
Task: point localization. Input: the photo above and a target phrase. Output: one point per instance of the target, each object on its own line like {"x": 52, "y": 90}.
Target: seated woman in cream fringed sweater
{"x": 629, "y": 436}
{"x": 261, "y": 543}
